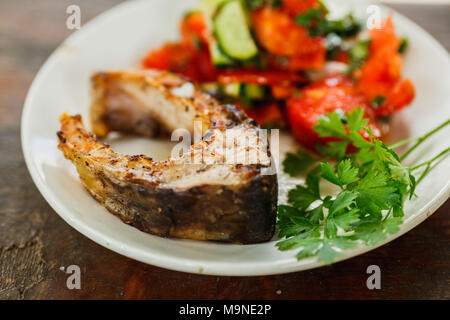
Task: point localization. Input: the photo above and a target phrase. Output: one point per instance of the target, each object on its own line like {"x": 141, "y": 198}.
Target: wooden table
{"x": 35, "y": 242}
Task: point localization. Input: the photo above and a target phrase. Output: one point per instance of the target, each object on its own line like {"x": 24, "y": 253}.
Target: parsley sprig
{"x": 372, "y": 184}
{"x": 317, "y": 24}
{"x": 358, "y": 54}
{"x": 257, "y": 4}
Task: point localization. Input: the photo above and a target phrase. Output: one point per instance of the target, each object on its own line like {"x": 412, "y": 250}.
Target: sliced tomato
{"x": 190, "y": 57}
{"x": 158, "y": 59}
{"x": 342, "y": 56}
{"x": 296, "y": 7}
{"x": 326, "y": 96}
{"x": 282, "y": 91}
{"x": 399, "y": 97}
{"x": 277, "y": 32}
{"x": 194, "y": 30}
{"x": 384, "y": 37}
{"x": 255, "y": 76}
{"x": 204, "y": 66}
{"x": 313, "y": 61}
{"x": 381, "y": 74}
{"x": 172, "y": 57}
{"x": 267, "y": 116}
{"x": 195, "y": 65}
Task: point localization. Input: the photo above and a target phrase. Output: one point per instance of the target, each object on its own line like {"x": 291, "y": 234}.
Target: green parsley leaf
{"x": 330, "y": 228}
{"x": 378, "y": 101}
{"x": 343, "y": 200}
{"x": 257, "y": 4}
{"x": 330, "y": 126}
{"x": 355, "y": 120}
{"x": 328, "y": 173}
{"x": 346, "y": 219}
{"x": 315, "y": 215}
{"x": 346, "y": 27}
{"x": 312, "y": 181}
{"x": 358, "y": 54}
{"x": 412, "y": 186}
{"x": 318, "y": 26}
{"x": 301, "y": 197}
{"x": 369, "y": 207}
{"x": 374, "y": 233}
{"x": 358, "y": 141}
{"x": 403, "y": 45}
{"x": 303, "y": 240}
{"x": 346, "y": 173}
{"x": 374, "y": 194}
{"x": 334, "y": 149}
{"x": 327, "y": 254}
{"x": 343, "y": 243}
{"x": 291, "y": 221}
{"x": 397, "y": 211}
{"x": 310, "y": 248}
{"x": 309, "y": 17}
{"x": 296, "y": 163}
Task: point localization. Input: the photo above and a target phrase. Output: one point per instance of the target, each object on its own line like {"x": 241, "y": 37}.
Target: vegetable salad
{"x": 288, "y": 65}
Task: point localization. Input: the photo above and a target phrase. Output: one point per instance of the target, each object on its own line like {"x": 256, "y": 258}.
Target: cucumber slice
{"x": 209, "y": 86}
{"x": 232, "y": 89}
{"x": 218, "y": 57}
{"x": 232, "y": 31}
{"x": 245, "y": 90}
{"x": 209, "y": 7}
{"x": 253, "y": 91}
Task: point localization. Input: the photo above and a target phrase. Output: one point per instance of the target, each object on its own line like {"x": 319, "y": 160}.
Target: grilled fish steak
{"x": 151, "y": 103}
{"x": 211, "y": 199}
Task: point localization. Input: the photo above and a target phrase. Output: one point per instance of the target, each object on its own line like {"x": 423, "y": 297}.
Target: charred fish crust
{"x": 175, "y": 198}
{"x": 253, "y": 122}
{"x": 134, "y": 158}
{"x": 208, "y": 135}
{"x": 61, "y": 137}
{"x": 235, "y": 115}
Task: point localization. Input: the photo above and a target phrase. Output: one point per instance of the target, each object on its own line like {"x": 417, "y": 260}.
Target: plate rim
{"x": 177, "y": 263}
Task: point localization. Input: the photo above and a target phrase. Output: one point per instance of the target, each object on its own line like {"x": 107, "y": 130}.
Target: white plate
{"x": 119, "y": 38}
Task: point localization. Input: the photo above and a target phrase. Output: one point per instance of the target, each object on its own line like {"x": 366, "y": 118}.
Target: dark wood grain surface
{"x": 35, "y": 242}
